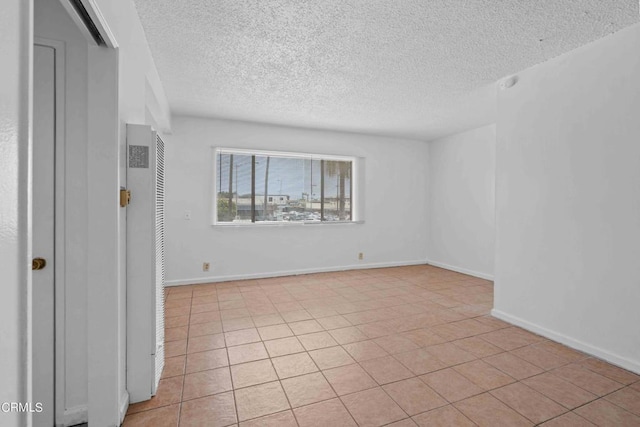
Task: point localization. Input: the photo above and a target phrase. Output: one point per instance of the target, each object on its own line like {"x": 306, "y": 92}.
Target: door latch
{"x": 125, "y": 197}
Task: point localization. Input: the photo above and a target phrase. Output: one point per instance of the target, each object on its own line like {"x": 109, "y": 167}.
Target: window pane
{"x": 284, "y": 183}
{"x": 285, "y": 188}
{"x": 337, "y": 190}
{"x": 234, "y": 188}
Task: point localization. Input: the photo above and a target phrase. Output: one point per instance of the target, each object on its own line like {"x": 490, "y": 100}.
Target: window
{"x": 272, "y": 187}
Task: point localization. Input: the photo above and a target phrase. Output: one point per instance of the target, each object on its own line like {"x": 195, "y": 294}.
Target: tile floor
{"x": 397, "y": 346}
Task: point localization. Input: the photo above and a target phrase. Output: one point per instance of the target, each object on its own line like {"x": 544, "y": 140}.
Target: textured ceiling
{"x": 419, "y": 69}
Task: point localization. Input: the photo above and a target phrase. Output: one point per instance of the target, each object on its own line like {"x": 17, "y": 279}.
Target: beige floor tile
{"x": 317, "y": 340}
{"x": 424, "y": 337}
{"x": 176, "y": 334}
{"x": 247, "y": 353}
{"x": 540, "y": 357}
{"x": 559, "y": 390}
{"x": 174, "y": 322}
{"x": 513, "y": 366}
{"x": 260, "y": 400}
{"x": 420, "y": 361}
{"x": 510, "y": 338}
{"x": 296, "y": 316}
{"x": 529, "y": 402}
{"x": 169, "y": 392}
{"x": 174, "y": 366}
{"x": 208, "y": 328}
{"x": 608, "y": 370}
{"x": 214, "y": 411}
{"x": 332, "y": 357}
{"x": 175, "y": 348}
{"x": 484, "y": 375}
{"x": 204, "y": 317}
{"x": 267, "y": 320}
{"x": 307, "y": 389}
{"x": 446, "y": 416}
{"x": 434, "y": 321}
{"x": 486, "y": 410}
{"x": 373, "y": 408}
{"x": 334, "y": 322}
{"x": 414, "y": 396}
{"x": 586, "y": 379}
{"x": 293, "y": 365}
{"x": 606, "y": 414}
{"x": 283, "y": 346}
{"x": 205, "y": 342}
{"x": 275, "y": 331}
{"x": 570, "y": 419}
{"x": 348, "y": 335}
{"x": 281, "y": 419}
{"x": 206, "y": 360}
{"x": 386, "y": 369}
{"x": 243, "y": 336}
{"x": 324, "y": 414}
{"x": 396, "y": 343}
{"x": 166, "y": 416}
{"x": 627, "y": 398}
{"x": 205, "y": 383}
{"x": 201, "y": 308}
{"x": 253, "y": 373}
{"x": 234, "y": 313}
{"x": 365, "y": 350}
{"x": 407, "y": 422}
{"x": 450, "y": 354}
{"x": 349, "y": 379}
{"x": 452, "y": 385}
{"x": 305, "y": 327}
{"x": 235, "y": 324}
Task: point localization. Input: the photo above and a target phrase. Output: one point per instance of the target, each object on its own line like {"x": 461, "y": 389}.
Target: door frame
{"x": 59, "y": 227}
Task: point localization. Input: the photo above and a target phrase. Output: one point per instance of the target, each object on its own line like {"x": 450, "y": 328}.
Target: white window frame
{"x": 357, "y": 216}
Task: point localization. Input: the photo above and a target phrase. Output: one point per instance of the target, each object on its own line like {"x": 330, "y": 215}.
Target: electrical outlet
{"x": 205, "y": 266}
{"x": 361, "y": 256}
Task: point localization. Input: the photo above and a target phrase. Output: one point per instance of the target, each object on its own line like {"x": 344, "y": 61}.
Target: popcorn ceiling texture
{"x": 412, "y": 68}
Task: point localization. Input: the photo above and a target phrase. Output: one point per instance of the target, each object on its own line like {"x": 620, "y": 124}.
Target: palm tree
{"x": 343, "y": 171}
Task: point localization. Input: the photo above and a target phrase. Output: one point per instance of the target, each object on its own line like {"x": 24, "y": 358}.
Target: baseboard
{"x": 461, "y": 270}
{"x": 74, "y": 416}
{"x": 630, "y": 365}
{"x": 265, "y": 275}
{"x": 124, "y": 405}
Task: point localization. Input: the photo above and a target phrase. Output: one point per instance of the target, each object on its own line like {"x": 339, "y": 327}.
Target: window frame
{"x": 355, "y": 197}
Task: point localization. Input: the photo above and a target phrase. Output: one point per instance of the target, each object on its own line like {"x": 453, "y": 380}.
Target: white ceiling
{"x": 418, "y": 69}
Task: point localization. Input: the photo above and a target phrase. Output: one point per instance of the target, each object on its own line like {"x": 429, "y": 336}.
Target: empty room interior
{"x": 330, "y": 213}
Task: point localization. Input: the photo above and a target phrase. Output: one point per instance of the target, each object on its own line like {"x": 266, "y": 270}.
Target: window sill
{"x": 283, "y": 224}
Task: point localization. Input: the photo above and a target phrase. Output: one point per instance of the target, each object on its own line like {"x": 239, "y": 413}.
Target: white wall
{"x": 123, "y": 86}
{"x": 568, "y": 199}
{"x": 461, "y": 202}
{"x": 395, "y": 225}
{"x": 15, "y": 222}
{"x": 138, "y": 90}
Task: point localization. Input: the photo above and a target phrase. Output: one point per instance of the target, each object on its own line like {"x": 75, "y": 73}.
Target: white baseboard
{"x": 461, "y": 270}
{"x": 124, "y": 405}
{"x": 630, "y": 365}
{"x": 74, "y": 416}
{"x": 214, "y": 279}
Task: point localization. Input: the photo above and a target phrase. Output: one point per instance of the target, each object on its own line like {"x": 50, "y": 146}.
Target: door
{"x": 43, "y": 243}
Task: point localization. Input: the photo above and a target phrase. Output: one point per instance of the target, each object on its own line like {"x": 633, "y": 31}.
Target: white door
{"x": 44, "y": 119}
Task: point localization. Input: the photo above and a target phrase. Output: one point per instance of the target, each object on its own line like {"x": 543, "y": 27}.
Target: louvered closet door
{"x": 160, "y": 297}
